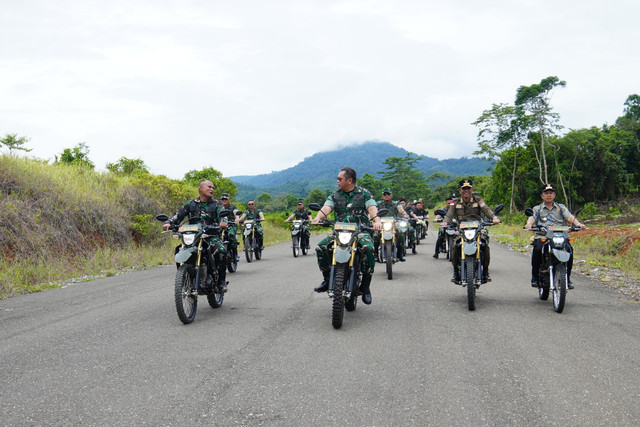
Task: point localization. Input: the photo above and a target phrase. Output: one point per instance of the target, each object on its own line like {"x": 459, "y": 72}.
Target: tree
{"x": 264, "y": 199}
{"x": 223, "y": 185}
{"x": 13, "y": 142}
{"x": 127, "y": 166}
{"x": 316, "y": 196}
{"x": 536, "y": 102}
{"x": 406, "y": 180}
{"x": 78, "y": 155}
{"x": 375, "y": 186}
{"x": 502, "y": 127}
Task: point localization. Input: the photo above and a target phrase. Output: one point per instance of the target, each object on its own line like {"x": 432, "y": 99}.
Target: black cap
{"x": 449, "y": 198}
{"x": 548, "y": 187}
{"x": 224, "y": 196}
{"x": 465, "y": 183}
{"x": 300, "y": 202}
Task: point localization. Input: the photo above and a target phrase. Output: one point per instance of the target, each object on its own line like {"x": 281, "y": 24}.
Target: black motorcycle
{"x": 232, "y": 252}
{"x": 197, "y": 273}
{"x": 449, "y": 234}
{"x": 471, "y": 238}
{"x": 556, "y": 251}
{"x": 345, "y": 275}
{"x": 299, "y": 239}
{"x": 250, "y": 243}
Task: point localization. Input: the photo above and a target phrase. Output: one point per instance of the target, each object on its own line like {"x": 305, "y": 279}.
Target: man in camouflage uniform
{"x": 549, "y": 213}
{"x": 232, "y": 226}
{"x": 302, "y": 214}
{"x": 255, "y": 214}
{"x": 207, "y": 209}
{"x": 395, "y": 210}
{"x": 351, "y": 204}
{"x": 409, "y": 210}
{"x": 469, "y": 204}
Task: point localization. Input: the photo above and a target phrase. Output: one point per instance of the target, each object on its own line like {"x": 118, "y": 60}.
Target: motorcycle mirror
{"x": 162, "y": 217}
{"x": 528, "y": 212}
{"x": 578, "y": 212}
{"x": 314, "y": 206}
{"x": 498, "y": 208}
{"x": 440, "y": 212}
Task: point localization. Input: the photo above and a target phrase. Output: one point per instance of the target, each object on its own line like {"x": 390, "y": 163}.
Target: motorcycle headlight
{"x": 344, "y": 238}
{"x": 387, "y": 226}
{"x": 403, "y": 223}
{"x": 188, "y": 239}
{"x": 469, "y": 234}
{"x": 558, "y": 241}
{"x": 247, "y": 226}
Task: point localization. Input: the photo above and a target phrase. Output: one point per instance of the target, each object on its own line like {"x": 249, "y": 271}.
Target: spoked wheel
{"x": 388, "y": 253}
{"x": 543, "y": 290}
{"x": 351, "y": 303}
{"x": 232, "y": 264}
{"x": 186, "y": 298}
{"x": 471, "y": 287}
{"x": 215, "y": 299}
{"x": 560, "y": 291}
{"x": 295, "y": 245}
{"x": 256, "y": 250}
{"x": 340, "y": 283}
{"x": 248, "y": 248}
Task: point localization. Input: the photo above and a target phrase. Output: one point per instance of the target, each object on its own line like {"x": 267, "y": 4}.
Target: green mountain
{"x": 319, "y": 170}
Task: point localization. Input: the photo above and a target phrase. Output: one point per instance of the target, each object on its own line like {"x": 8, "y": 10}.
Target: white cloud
{"x": 249, "y": 87}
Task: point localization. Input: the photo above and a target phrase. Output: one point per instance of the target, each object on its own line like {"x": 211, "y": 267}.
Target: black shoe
{"x": 401, "y": 258}
{"x": 366, "y": 297}
{"x": 209, "y": 282}
{"x": 322, "y": 287}
{"x": 486, "y": 278}
{"x": 435, "y": 256}
{"x": 456, "y": 278}
{"x": 222, "y": 287}
{"x": 570, "y": 285}
{"x": 535, "y": 283}
{"x": 237, "y": 258}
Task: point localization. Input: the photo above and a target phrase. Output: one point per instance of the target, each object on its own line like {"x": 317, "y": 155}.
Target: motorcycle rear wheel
{"x": 471, "y": 287}
{"x": 449, "y": 246}
{"x": 560, "y": 285}
{"x": 232, "y": 264}
{"x": 304, "y": 244}
{"x": 248, "y": 248}
{"x": 340, "y": 283}
{"x": 215, "y": 299}
{"x": 186, "y": 300}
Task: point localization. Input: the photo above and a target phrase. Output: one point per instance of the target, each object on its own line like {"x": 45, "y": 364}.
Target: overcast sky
{"x": 254, "y": 86}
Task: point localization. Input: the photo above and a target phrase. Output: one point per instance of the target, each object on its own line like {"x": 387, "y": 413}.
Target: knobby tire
{"x": 560, "y": 291}
{"x": 186, "y": 301}
{"x": 471, "y": 287}
{"x": 340, "y": 283}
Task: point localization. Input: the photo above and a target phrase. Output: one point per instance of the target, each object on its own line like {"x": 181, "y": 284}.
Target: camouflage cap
{"x": 224, "y": 196}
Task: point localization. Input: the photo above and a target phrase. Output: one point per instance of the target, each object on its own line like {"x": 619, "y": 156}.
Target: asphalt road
{"x": 113, "y": 352}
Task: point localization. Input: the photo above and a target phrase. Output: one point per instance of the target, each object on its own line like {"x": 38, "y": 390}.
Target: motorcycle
{"x": 388, "y": 251}
{"x": 471, "y": 232}
{"x": 194, "y": 262}
{"x": 556, "y": 251}
{"x": 251, "y": 247}
{"x": 345, "y": 275}
{"x": 449, "y": 234}
{"x": 232, "y": 252}
{"x": 299, "y": 239}
{"x": 421, "y": 227}
{"x": 402, "y": 225}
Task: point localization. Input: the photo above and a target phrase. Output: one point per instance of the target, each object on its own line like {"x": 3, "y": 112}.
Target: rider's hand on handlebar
{"x": 166, "y": 226}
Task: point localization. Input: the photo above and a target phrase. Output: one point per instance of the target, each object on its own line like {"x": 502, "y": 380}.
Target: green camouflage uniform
{"x": 255, "y": 215}
{"x": 349, "y": 207}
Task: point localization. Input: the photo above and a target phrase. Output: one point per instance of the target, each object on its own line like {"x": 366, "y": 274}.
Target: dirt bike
{"x": 345, "y": 275}
{"x": 556, "y": 251}
{"x": 251, "y": 246}
{"x": 449, "y": 234}
{"x": 299, "y": 239}
{"x": 195, "y": 262}
{"x": 387, "y": 252}
{"x": 471, "y": 232}
{"x": 402, "y": 225}
{"x": 232, "y": 252}
{"x": 421, "y": 227}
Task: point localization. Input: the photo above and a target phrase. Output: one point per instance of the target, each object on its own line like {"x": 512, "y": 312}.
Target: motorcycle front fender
{"x": 247, "y": 232}
{"x": 342, "y": 255}
{"x": 185, "y": 254}
{"x": 561, "y": 255}
{"x": 387, "y": 235}
{"x": 294, "y": 232}
{"x": 470, "y": 248}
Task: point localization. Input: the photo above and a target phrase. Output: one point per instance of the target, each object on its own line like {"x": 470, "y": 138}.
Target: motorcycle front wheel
{"x": 185, "y": 297}
{"x": 248, "y": 248}
{"x": 339, "y": 285}
{"x": 471, "y": 287}
{"x": 388, "y": 253}
{"x": 295, "y": 245}
{"x": 560, "y": 285}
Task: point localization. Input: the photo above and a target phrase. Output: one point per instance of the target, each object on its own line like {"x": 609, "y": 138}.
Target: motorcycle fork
{"x": 198, "y": 258}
